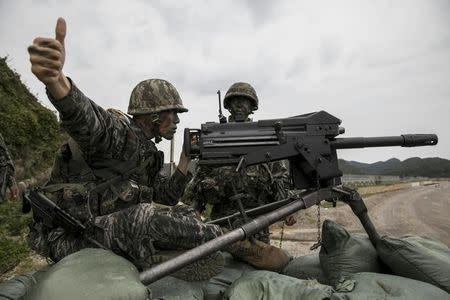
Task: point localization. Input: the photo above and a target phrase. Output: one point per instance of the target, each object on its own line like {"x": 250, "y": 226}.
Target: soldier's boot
{"x": 259, "y": 254}
{"x": 200, "y": 270}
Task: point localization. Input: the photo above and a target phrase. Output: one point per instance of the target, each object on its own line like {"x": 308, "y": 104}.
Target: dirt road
{"x": 419, "y": 210}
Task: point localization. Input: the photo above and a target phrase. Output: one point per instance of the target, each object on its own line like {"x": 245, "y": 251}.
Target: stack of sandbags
{"x": 384, "y": 286}
{"x": 306, "y": 267}
{"x": 343, "y": 254}
{"x": 416, "y": 257}
{"x": 90, "y": 274}
{"x": 18, "y": 286}
{"x": 266, "y": 285}
{"x": 175, "y": 289}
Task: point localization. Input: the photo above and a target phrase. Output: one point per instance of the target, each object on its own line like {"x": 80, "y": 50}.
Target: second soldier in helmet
{"x": 211, "y": 189}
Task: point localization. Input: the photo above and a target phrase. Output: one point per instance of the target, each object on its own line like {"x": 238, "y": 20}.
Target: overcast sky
{"x": 382, "y": 67}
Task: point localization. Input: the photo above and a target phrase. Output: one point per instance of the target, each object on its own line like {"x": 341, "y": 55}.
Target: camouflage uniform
{"x": 6, "y": 167}
{"x": 210, "y": 190}
{"x": 104, "y": 144}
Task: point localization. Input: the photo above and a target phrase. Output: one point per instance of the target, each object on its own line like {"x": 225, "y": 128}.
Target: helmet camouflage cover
{"x": 154, "y": 95}
{"x": 241, "y": 89}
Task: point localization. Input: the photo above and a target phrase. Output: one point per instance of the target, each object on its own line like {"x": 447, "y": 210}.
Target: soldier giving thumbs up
{"x": 47, "y": 56}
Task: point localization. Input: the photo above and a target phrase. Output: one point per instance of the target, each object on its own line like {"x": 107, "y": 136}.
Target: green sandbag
{"x": 18, "y": 286}
{"x": 90, "y": 274}
{"x": 171, "y": 288}
{"x": 215, "y": 288}
{"x": 265, "y": 285}
{"x": 385, "y": 287}
{"x": 306, "y": 267}
{"x": 416, "y": 257}
{"x": 343, "y": 253}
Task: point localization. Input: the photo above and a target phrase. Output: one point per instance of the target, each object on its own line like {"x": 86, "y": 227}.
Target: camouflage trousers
{"x": 136, "y": 233}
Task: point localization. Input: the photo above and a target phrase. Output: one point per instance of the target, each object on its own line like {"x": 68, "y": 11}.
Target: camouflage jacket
{"x": 6, "y": 164}
{"x": 103, "y": 145}
{"x": 211, "y": 188}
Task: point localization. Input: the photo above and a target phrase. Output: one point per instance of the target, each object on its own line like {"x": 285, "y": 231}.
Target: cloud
{"x": 383, "y": 67}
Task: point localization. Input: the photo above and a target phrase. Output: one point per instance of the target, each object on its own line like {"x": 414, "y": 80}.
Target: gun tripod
{"x": 277, "y": 213}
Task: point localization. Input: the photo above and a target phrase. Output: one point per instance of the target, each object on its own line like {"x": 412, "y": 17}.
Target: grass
{"x": 13, "y": 231}
{"x": 15, "y": 255}
{"x": 366, "y": 191}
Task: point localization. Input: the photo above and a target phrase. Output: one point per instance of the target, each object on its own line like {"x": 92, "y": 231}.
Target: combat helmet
{"x": 242, "y": 89}
{"x": 153, "y": 96}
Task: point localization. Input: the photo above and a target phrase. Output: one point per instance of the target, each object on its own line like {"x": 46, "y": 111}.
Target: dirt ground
{"x": 420, "y": 210}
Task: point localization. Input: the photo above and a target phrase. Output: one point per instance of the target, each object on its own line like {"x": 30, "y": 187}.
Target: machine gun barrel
{"x": 405, "y": 140}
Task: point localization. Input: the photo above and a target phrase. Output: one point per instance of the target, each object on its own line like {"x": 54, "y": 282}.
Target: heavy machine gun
{"x": 309, "y": 142}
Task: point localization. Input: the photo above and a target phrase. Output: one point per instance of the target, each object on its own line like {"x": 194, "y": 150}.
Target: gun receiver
{"x": 308, "y": 141}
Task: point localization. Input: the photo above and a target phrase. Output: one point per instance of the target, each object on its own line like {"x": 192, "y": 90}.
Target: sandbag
{"x": 18, "y": 286}
{"x": 171, "y": 288}
{"x": 343, "y": 253}
{"x": 416, "y": 257}
{"x": 306, "y": 267}
{"x": 90, "y": 274}
{"x": 215, "y": 288}
{"x": 266, "y": 285}
{"x": 384, "y": 287}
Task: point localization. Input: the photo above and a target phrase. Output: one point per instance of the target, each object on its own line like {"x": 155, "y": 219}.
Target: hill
{"x": 31, "y": 131}
{"x": 434, "y": 167}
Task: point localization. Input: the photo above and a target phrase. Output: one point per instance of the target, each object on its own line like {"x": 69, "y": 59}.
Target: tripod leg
{"x": 359, "y": 208}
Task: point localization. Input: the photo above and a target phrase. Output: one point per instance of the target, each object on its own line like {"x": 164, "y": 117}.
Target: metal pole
{"x": 172, "y": 149}
{"x": 246, "y": 230}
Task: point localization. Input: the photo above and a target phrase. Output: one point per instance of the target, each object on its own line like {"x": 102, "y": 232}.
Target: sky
{"x": 382, "y": 67}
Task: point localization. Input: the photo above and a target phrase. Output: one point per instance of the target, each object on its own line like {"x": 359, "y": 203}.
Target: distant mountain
{"x": 411, "y": 167}
{"x": 31, "y": 131}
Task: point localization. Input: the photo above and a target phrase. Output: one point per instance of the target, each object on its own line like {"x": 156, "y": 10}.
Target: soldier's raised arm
{"x": 47, "y": 57}
{"x": 94, "y": 129}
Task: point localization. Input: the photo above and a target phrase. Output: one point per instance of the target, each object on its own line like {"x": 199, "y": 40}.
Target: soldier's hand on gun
{"x": 47, "y": 56}
{"x": 184, "y": 161}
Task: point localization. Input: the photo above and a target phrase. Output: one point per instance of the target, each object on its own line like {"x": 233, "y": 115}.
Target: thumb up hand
{"x": 47, "y": 57}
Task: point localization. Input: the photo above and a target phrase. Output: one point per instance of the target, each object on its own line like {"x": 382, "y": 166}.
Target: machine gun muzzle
{"x": 404, "y": 140}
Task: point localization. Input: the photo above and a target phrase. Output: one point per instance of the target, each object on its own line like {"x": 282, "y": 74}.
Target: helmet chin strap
{"x": 154, "y": 127}
{"x": 156, "y": 121}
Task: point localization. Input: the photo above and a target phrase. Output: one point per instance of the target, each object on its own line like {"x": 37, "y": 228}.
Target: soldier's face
{"x": 240, "y": 108}
{"x": 168, "y": 126}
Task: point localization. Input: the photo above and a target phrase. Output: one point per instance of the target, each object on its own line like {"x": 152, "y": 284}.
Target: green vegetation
{"x": 33, "y": 135}
{"x": 30, "y": 130}
{"x": 434, "y": 167}
{"x": 13, "y": 230}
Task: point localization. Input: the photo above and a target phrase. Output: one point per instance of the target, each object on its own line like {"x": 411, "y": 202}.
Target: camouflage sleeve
{"x": 168, "y": 190}
{"x": 95, "y": 130}
{"x": 280, "y": 177}
{"x": 188, "y": 194}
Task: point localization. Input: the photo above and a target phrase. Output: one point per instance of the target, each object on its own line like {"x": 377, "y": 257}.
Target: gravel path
{"x": 419, "y": 210}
